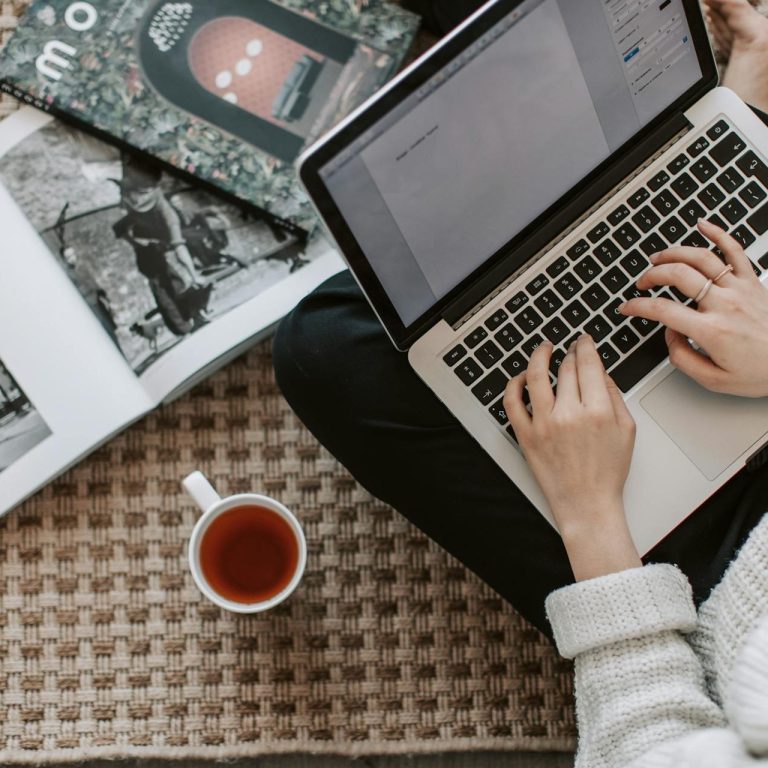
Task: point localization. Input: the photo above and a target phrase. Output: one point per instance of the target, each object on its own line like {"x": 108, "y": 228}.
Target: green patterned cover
{"x": 103, "y": 86}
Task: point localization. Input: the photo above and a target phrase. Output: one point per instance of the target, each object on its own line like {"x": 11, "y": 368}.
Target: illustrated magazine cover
{"x": 230, "y": 91}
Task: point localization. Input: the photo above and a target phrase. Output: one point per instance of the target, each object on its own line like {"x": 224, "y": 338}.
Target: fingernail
{"x": 622, "y": 307}
{"x": 653, "y": 258}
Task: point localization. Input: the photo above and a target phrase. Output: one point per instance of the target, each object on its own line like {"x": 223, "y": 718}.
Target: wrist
{"x": 598, "y": 542}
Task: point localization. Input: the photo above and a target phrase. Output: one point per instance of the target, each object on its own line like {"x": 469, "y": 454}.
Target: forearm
{"x": 638, "y": 682}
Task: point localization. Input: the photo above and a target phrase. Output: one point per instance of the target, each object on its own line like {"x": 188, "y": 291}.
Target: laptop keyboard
{"x": 717, "y": 177}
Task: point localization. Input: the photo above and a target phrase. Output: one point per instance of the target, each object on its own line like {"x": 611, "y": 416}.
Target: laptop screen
{"x": 496, "y": 137}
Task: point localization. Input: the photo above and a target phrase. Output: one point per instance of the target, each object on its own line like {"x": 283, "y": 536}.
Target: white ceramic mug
{"x": 212, "y": 505}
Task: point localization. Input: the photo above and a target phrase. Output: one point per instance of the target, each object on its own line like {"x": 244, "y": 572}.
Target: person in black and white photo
{"x": 21, "y": 425}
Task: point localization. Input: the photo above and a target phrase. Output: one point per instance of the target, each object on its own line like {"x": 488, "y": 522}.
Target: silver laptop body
{"x": 509, "y": 186}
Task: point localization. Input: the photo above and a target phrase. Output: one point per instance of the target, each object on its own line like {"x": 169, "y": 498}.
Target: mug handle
{"x": 201, "y": 491}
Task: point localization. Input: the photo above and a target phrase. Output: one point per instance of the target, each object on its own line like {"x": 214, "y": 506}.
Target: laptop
{"x": 509, "y": 187}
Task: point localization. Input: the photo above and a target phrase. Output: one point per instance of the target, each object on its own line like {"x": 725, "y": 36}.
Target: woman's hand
{"x": 578, "y": 444}
{"x": 730, "y": 324}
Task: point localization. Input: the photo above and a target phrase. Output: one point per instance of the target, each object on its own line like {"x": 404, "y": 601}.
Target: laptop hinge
{"x": 564, "y": 222}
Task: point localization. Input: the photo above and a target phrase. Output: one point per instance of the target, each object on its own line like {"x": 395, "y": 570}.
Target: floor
{"x": 457, "y": 760}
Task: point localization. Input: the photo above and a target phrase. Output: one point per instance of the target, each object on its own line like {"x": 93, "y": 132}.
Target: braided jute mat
{"x": 389, "y": 646}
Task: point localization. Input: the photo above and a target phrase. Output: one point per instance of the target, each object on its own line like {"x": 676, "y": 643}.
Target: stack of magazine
{"x": 152, "y": 223}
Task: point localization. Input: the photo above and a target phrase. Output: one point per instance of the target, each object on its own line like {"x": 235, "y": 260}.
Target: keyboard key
{"x": 678, "y": 164}
{"x": 557, "y": 266}
{"x": 626, "y": 235}
{"x": 733, "y": 211}
{"x": 528, "y": 320}
{"x": 476, "y": 337}
{"x": 587, "y": 269}
{"x": 508, "y": 337}
{"x": 511, "y": 433}
{"x": 719, "y": 129}
{"x": 515, "y": 364}
{"x": 625, "y": 339}
{"x": 498, "y": 412}
{"x": 548, "y": 303}
{"x": 607, "y": 252}
{"x": 613, "y": 314}
{"x": 633, "y": 292}
{"x": 730, "y": 179}
{"x": 703, "y": 169}
{"x": 617, "y": 216}
{"x": 517, "y": 301}
{"x": 468, "y": 371}
{"x": 575, "y": 313}
{"x": 634, "y": 263}
{"x": 558, "y": 355}
{"x": 577, "y": 249}
{"x": 537, "y": 284}
{"x": 759, "y": 220}
{"x": 496, "y": 319}
{"x": 727, "y": 148}
{"x": 608, "y": 355}
{"x": 598, "y": 328}
{"x": 556, "y": 330}
{"x": 763, "y": 261}
{"x": 614, "y": 280}
{"x": 698, "y": 147}
{"x": 665, "y": 202}
{"x": 672, "y": 229}
{"x": 691, "y": 212}
{"x": 658, "y": 181}
{"x": 488, "y": 354}
{"x": 595, "y": 296}
{"x": 641, "y": 362}
{"x": 531, "y": 344}
{"x": 646, "y": 219}
{"x": 717, "y": 221}
{"x": 752, "y": 194}
{"x": 567, "y": 286}
{"x": 598, "y": 233}
{"x": 653, "y": 244}
{"x": 752, "y": 166}
{"x": 639, "y": 197}
{"x": 453, "y": 356}
{"x": 642, "y": 325}
{"x": 489, "y": 388}
{"x": 743, "y": 235}
{"x": 695, "y": 240}
{"x": 684, "y": 186}
{"x": 711, "y": 197}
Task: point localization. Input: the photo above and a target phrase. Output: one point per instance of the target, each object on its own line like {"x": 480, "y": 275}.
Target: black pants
{"x": 361, "y": 399}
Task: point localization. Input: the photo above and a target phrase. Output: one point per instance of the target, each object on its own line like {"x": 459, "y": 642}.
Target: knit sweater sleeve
{"x": 639, "y": 685}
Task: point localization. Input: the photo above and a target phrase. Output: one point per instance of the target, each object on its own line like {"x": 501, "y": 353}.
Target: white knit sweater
{"x": 658, "y": 686}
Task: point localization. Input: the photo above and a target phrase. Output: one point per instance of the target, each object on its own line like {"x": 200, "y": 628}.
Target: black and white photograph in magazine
{"x": 21, "y": 425}
{"x": 155, "y": 258}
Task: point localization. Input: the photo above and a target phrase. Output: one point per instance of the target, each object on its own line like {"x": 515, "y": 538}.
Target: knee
{"x": 310, "y": 342}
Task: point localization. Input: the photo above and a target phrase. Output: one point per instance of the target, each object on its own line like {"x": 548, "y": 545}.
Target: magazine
{"x": 120, "y": 287}
{"x": 229, "y": 91}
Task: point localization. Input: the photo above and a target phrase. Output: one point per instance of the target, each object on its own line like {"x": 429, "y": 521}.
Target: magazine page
{"x": 228, "y": 90}
{"x": 273, "y": 283}
{"x": 64, "y": 385}
{"x": 174, "y": 275}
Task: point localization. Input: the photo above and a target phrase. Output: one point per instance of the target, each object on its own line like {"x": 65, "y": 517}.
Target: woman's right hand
{"x": 730, "y": 325}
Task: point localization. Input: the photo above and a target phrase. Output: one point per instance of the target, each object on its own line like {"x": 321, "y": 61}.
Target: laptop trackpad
{"x": 712, "y": 430}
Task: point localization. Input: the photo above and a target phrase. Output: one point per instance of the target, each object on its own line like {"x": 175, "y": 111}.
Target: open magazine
{"x": 228, "y": 90}
{"x": 120, "y": 286}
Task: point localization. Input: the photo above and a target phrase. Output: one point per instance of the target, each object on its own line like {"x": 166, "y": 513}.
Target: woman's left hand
{"x": 579, "y": 445}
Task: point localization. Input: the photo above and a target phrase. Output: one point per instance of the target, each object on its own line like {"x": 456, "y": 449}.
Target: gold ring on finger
{"x": 704, "y": 290}
{"x": 728, "y": 269}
